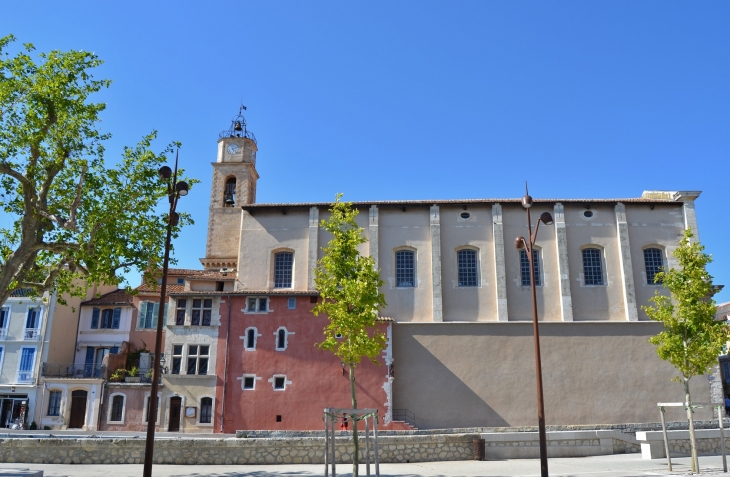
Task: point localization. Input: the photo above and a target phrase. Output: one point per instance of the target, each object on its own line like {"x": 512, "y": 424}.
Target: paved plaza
{"x": 624, "y": 465}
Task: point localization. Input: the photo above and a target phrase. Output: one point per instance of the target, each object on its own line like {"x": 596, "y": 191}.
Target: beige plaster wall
{"x": 410, "y": 229}
{"x": 519, "y": 298}
{"x": 265, "y": 232}
{"x": 661, "y": 227}
{"x": 468, "y": 303}
{"x": 597, "y": 302}
{"x": 483, "y": 374}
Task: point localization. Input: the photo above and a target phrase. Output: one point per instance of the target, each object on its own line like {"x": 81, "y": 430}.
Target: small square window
{"x": 278, "y": 418}
{"x": 279, "y": 382}
{"x": 248, "y": 382}
{"x": 312, "y": 299}
{"x": 251, "y": 304}
{"x": 181, "y": 281}
{"x": 262, "y": 304}
{"x": 291, "y": 303}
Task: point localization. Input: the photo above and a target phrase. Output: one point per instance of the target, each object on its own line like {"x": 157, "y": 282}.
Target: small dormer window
{"x": 229, "y": 196}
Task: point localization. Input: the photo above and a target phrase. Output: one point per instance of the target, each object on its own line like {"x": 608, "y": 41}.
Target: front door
{"x": 78, "y": 410}
{"x": 7, "y": 413}
{"x": 175, "y": 405}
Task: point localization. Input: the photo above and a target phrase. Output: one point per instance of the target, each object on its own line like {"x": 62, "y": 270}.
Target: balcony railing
{"x": 71, "y": 370}
{"x": 32, "y": 335}
{"x": 25, "y": 377}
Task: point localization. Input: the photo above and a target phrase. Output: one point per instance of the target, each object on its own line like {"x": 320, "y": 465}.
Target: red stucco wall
{"x": 316, "y": 376}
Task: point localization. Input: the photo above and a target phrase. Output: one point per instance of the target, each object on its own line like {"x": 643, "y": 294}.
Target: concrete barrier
{"x": 708, "y": 443}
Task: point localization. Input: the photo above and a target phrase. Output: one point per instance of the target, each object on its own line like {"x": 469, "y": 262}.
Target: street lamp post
{"x": 175, "y": 190}
{"x": 528, "y": 245}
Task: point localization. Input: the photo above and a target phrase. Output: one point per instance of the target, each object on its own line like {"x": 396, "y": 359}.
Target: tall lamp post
{"x": 528, "y": 246}
{"x": 175, "y": 190}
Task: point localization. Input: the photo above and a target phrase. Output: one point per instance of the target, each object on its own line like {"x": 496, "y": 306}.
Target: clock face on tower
{"x": 232, "y": 149}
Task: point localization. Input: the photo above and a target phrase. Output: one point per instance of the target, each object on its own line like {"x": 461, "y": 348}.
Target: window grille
{"x": 405, "y": 268}
{"x": 198, "y": 359}
{"x": 525, "y": 267}
{"x": 592, "y": 267}
{"x": 467, "y": 263}
{"x": 281, "y": 339}
{"x": 653, "y": 263}
{"x": 177, "y": 351}
{"x": 54, "y": 403}
{"x": 202, "y": 308}
{"x": 283, "y": 262}
{"x": 206, "y": 410}
{"x": 180, "y": 312}
{"x": 117, "y": 406}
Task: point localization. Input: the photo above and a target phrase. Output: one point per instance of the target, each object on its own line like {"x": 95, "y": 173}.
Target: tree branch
{"x": 6, "y": 169}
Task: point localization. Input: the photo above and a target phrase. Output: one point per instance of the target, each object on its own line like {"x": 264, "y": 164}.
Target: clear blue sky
{"x": 417, "y": 100}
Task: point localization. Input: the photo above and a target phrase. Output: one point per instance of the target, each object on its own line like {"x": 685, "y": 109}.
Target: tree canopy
{"x": 692, "y": 339}
{"x": 70, "y": 216}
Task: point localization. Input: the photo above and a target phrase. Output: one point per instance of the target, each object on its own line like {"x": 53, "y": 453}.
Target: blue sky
{"x": 417, "y": 100}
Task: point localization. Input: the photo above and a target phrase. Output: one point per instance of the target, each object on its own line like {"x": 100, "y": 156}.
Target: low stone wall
{"x": 526, "y": 445}
{"x": 305, "y": 450}
{"x": 708, "y": 443}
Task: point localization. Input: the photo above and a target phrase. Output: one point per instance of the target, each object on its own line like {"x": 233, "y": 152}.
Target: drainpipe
{"x": 225, "y": 369}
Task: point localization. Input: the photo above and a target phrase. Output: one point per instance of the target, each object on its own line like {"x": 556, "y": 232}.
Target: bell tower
{"x": 233, "y": 185}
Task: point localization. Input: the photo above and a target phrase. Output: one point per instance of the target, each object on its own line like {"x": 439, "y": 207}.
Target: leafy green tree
{"x": 692, "y": 339}
{"x": 69, "y": 217}
{"x": 349, "y": 286}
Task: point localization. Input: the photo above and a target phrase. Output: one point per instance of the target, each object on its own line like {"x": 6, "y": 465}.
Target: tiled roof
{"x": 248, "y": 292}
{"x": 385, "y": 319}
{"x": 211, "y": 275}
{"x": 116, "y": 297}
{"x": 402, "y": 203}
{"x": 147, "y": 289}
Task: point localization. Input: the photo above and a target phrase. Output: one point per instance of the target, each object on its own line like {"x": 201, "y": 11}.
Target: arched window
{"x": 525, "y": 267}
{"x": 283, "y": 262}
{"x": 250, "y": 339}
{"x": 229, "y": 196}
{"x": 281, "y": 339}
{"x": 116, "y": 413}
{"x": 653, "y": 263}
{"x": 467, "y": 263}
{"x": 206, "y": 410}
{"x": 405, "y": 268}
{"x": 592, "y": 267}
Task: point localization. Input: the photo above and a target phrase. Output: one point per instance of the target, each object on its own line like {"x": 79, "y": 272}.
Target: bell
{"x": 237, "y": 126}
{"x": 228, "y": 199}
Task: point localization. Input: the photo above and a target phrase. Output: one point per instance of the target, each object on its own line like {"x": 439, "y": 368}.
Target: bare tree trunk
{"x": 692, "y": 440}
{"x": 355, "y": 455}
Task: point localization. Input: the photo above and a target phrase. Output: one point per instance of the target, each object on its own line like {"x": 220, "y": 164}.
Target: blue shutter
{"x": 114, "y": 350}
{"x": 30, "y": 321}
{"x": 26, "y": 360}
{"x": 141, "y": 314}
{"x": 115, "y": 319}
{"x": 95, "y": 318}
{"x": 89, "y": 355}
{"x": 1, "y": 355}
{"x": 167, "y": 306}
{"x": 155, "y": 313}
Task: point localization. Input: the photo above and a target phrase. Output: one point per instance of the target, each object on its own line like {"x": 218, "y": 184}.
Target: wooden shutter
{"x": 116, "y": 317}
{"x": 155, "y": 315}
{"x": 95, "y": 318}
{"x": 141, "y": 314}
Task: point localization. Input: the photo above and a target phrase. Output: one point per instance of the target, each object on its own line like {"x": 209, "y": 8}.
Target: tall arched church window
{"x": 229, "y": 196}
{"x": 653, "y": 263}
{"x": 283, "y": 262}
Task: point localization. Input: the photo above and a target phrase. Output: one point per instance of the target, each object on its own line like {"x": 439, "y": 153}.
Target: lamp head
{"x": 546, "y": 218}
{"x": 165, "y": 172}
{"x": 527, "y": 201}
{"x": 520, "y": 243}
{"x": 182, "y": 188}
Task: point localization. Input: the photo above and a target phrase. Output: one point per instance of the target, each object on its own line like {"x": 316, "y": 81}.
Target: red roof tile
{"x": 116, "y": 297}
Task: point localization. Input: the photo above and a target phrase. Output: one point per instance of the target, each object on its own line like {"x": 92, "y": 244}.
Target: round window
{"x": 588, "y": 214}
{"x": 465, "y": 215}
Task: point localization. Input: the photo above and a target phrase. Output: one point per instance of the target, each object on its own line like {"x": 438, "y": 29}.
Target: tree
{"x": 70, "y": 217}
{"x": 691, "y": 340}
{"x": 349, "y": 286}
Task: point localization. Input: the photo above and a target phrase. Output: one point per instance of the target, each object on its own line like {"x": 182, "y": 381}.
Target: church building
{"x": 459, "y": 313}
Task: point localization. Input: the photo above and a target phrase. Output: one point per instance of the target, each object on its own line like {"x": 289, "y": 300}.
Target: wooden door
{"x": 78, "y": 410}
{"x": 175, "y": 405}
